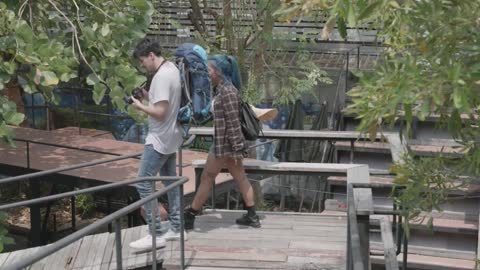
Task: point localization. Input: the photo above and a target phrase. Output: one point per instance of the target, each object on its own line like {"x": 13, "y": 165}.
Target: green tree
{"x": 49, "y": 42}
{"x": 243, "y": 26}
{"x": 431, "y": 66}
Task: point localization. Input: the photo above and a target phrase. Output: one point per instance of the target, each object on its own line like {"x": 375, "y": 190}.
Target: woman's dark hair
{"x": 146, "y": 46}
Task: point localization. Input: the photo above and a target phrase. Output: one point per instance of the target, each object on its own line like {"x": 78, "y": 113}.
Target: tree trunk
{"x": 228, "y": 28}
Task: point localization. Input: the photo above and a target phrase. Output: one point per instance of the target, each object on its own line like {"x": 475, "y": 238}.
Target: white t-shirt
{"x": 165, "y": 136}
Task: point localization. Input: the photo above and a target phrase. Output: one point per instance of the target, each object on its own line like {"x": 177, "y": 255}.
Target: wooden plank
{"x": 300, "y": 134}
{"x": 98, "y": 250}
{"x": 340, "y": 246}
{"x": 45, "y": 262}
{"x": 141, "y": 259}
{"x": 398, "y": 146}
{"x": 389, "y": 247}
{"x": 128, "y": 253}
{"x": 113, "y": 258}
{"x": 91, "y": 251}
{"x": 82, "y": 259}
{"x": 227, "y": 264}
{"x": 330, "y": 262}
{"x": 261, "y": 165}
{"x": 107, "y": 256}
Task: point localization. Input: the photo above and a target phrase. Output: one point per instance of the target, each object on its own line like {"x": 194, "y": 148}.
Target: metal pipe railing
{"x": 114, "y": 217}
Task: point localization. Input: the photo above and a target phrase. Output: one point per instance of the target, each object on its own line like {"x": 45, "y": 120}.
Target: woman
{"x": 229, "y": 145}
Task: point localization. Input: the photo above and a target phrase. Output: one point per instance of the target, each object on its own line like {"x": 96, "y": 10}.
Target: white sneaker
{"x": 173, "y": 236}
{"x": 145, "y": 243}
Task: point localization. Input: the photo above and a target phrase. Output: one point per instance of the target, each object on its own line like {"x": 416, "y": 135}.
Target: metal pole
{"x": 358, "y": 57}
{"x": 33, "y": 111}
{"x": 28, "y": 155}
{"x": 405, "y": 250}
{"x": 182, "y": 230}
{"x": 346, "y": 72}
{"x": 48, "y": 118}
{"x": 118, "y": 243}
{"x": 74, "y": 210}
{"x": 153, "y": 228}
{"x": 352, "y": 149}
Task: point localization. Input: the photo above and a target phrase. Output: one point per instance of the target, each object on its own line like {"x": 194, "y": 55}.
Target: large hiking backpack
{"x": 191, "y": 60}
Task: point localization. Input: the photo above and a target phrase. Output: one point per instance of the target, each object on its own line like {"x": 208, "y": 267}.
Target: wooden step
{"x": 374, "y": 179}
{"x": 429, "y": 262}
{"x": 418, "y": 149}
{"x": 465, "y": 189}
{"x": 467, "y": 225}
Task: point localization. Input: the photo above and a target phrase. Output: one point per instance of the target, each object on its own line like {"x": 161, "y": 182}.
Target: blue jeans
{"x": 151, "y": 164}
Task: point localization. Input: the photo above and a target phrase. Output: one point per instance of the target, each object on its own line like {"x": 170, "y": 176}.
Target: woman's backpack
{"x": 251, "y": 126}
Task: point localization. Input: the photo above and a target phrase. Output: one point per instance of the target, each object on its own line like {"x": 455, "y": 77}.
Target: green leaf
{"x": 13, "y": 118}
{"x": 48, "y": 78}
{"x": 141, "y": 5}
{"x": 342, "y": 27}
{"x": 24, "y": 32}
{"x": 352, "y": 20}
{"x": 369, "y": 10}
{"x": 460, "y": 99}
{"x": 105, "y": 30}
{"x": 92, "y": 79}
{"x": 99, "y": 92}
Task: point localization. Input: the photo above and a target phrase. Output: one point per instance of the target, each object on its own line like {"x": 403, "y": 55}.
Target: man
{"x": 163, "y": 139}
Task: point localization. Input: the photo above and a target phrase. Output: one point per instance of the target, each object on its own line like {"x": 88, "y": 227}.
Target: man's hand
{"x": 159, "y": 110}
{"x": 137, "y": 104}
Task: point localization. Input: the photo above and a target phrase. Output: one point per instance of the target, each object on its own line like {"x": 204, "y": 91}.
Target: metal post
{"x": 349, "y": 246}
{"x": 346, "y": 72}
{"x": 109, "y": 211}
{"x": 35, "y": 216}
{"x": 28, "y": 155}
{"x": 76, "y": 116}
{"x": 352, "y": 149}
{"x": 48, "y": 118}
{"x": 358, "y": 57}
{"x": 153, "y": 226}
{"x": 118, "y": 243}
{"x": 405, "y": 250}
{"x": 182, "y": 230}
{"x": 74, "y": 213}
{"x": 33, "y": 111}
{"x": 364, "y": 235}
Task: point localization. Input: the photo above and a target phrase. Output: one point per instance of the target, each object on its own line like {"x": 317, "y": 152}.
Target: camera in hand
{"x": 136, "y": 93}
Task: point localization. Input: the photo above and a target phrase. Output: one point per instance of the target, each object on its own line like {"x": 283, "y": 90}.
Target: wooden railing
{"x": 360, "y": 208}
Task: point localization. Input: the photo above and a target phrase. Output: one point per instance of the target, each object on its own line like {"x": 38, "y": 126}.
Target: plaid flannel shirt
{"x": 228, "y": 140}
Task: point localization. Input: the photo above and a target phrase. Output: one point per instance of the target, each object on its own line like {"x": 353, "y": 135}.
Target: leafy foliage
{"x": 430, "y": 68}
{"x": 85, "y": 203}
{"x": 427, "y": 182}
{"x": 4, "y": 239}
{"x": 50, "y": 42}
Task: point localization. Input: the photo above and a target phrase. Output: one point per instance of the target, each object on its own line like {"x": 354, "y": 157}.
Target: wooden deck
{"x": 285, "y": 241}
{"x": 45, "y": 157}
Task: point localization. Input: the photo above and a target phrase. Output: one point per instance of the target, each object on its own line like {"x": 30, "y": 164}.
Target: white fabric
{"x": 165, "y": 136}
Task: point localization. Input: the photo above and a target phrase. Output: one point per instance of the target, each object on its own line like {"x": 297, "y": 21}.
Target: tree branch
{"x": 99, "y": 9}
{"x": 75, "y": 33}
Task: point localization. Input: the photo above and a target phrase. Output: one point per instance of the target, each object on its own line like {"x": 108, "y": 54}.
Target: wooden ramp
{"x": 285, "y": 241}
